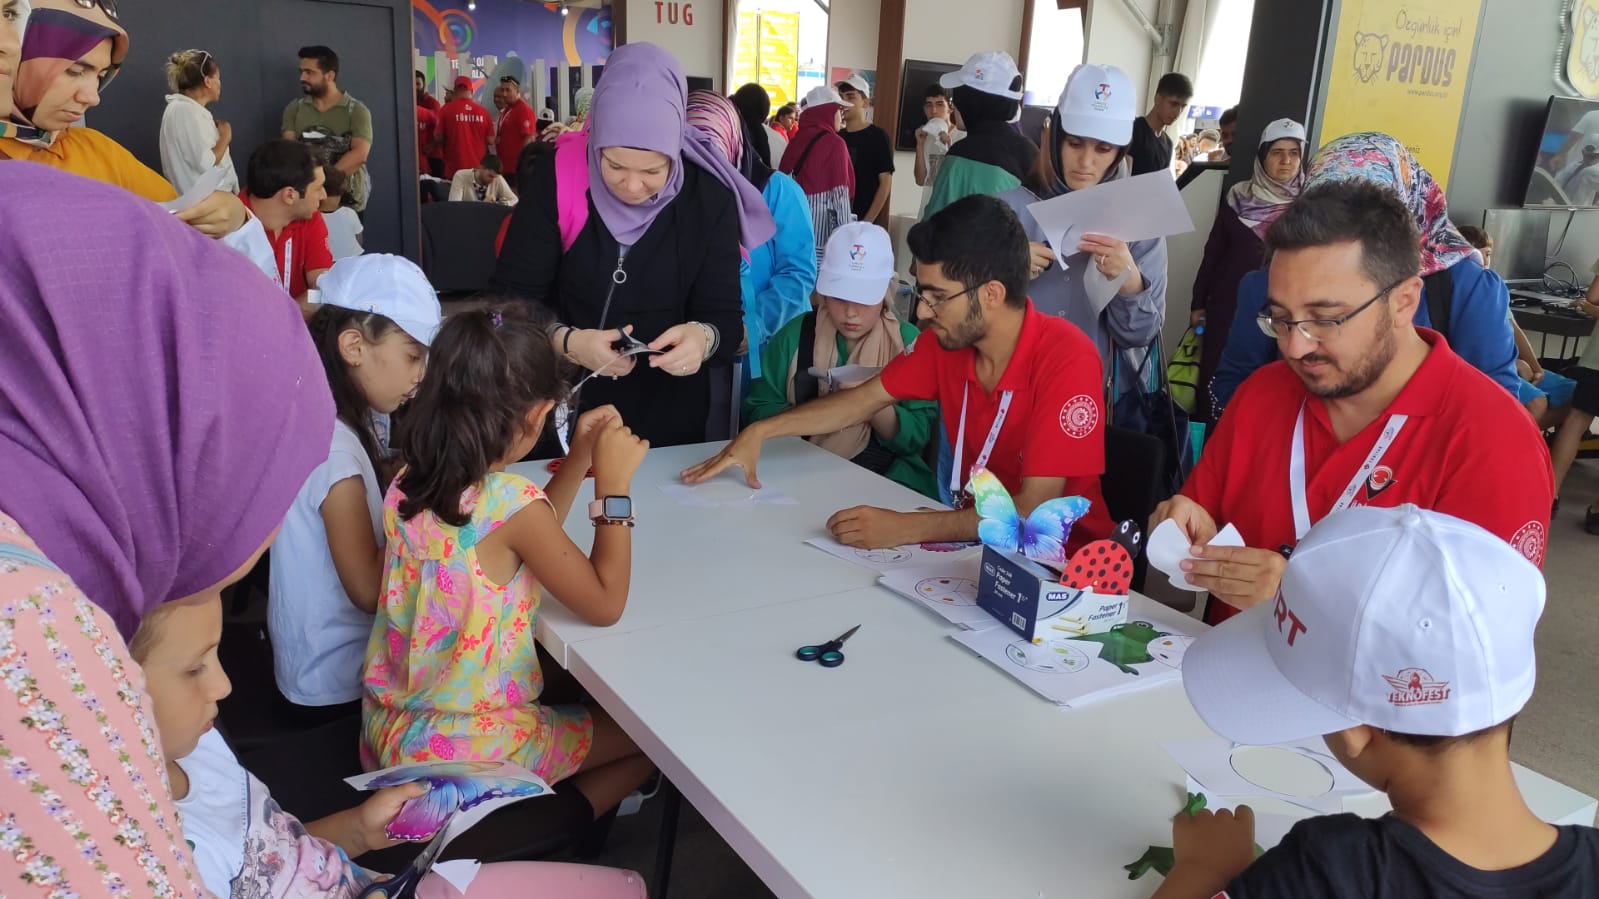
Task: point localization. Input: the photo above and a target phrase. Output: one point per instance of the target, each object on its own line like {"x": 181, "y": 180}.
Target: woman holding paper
{"x": 1114, "y": 291}
{"x": 855, "y": 326}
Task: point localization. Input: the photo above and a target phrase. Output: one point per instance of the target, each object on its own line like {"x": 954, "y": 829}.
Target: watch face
{"x": 618, "y": 507}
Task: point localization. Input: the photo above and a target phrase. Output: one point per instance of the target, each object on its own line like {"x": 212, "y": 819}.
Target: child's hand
{"x": 617, "y": 454}
{"x": 1220, "y": 844}
{"x": 589, "y": 425}
{"x": 372, "y": 817}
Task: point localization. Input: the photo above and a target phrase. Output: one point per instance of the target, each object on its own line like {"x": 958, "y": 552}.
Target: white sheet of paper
{"x": 1168, "y": 546}
{"x": 727, "y": 492}
{"x": 845, "y": 374}
{"x": 1314, "y": 779}
{"x": 949, "y": 589}
{"x": 1128, "y": 209}
{"x": 1100, "y": 289}
{"x": 203, "y": 186}
{"x": 460, "y": 872}
{"x": 895, "y": 558}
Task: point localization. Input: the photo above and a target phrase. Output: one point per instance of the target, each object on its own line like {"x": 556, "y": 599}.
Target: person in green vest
{"x": 993, "y": 157}
{"x": 844, "y": 343}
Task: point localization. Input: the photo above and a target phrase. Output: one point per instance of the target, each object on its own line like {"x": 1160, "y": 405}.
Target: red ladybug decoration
{"x": 1105, "y": 566}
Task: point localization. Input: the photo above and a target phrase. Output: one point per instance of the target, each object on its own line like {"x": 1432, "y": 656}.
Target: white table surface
{"x": 914, "y": 769}
{"x": 691, "y": 563}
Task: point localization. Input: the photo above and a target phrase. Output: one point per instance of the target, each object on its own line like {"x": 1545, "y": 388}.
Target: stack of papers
{"x": 1077, "y": 669}
{"x": 948, "y": 589}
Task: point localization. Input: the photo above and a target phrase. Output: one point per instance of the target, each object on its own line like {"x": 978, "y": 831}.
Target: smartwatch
{"x": 612, "y": 510}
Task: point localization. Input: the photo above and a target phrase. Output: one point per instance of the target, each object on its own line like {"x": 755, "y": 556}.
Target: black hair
{"x": 1475, "y": 236}
{"x": 277, "y": 164}
{"x": 490, "y": 161}
{"x": 420, "y": 75}
{"x": 1435, "y": 745}
{"x": 349, "y": 404}
{"x": 785, "y": 109}
{"x": 487, "y": 369}
{"x": 1175, "y": 84}
{"x": 1228, "y": 116}
{"x": 326, "y": 59}
{"x": 334, "y": 180}
{"x": 532, "y": 152}
{"x": 976, "y": 239}
{"x": 1361, "y": 212}
{"x": 935, "y": 90}
{"x": 753, "y": 102}
{"x": 188, "y": 69}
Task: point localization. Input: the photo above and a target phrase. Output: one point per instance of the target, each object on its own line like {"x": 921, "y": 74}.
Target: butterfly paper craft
{"x": 452, "y": 787}
{"x": 1041, "y": 537}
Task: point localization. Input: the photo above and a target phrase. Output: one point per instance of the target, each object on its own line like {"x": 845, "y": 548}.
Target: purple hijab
{"x": 640, "y": 103}
{"x": 162, "y": 401}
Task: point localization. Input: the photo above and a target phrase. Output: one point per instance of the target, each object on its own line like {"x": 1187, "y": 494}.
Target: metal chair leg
{"x": 666, "y": 846}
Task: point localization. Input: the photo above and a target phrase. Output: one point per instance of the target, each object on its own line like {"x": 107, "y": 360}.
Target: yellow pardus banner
{"x": 1401, "y": 66}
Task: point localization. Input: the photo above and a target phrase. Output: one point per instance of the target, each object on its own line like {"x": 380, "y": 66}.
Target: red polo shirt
{"x": 427, "y": 127}
{"x": 299, "y": 248}
{"x": 1056, "y": 424}
{"x": 517, "y": 125}
{"x": 431, "y": 104}
{"x": 1467, "y": 450}
{"x": 467, "y": 128}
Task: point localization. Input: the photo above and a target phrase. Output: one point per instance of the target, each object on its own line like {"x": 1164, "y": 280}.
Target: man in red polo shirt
{"x": 464, "y": 130}
{"x": 1364, "y": 408}
{"x": 517, "y": 125}
{"x": 430, "y": 156}
{"x": 283, "y": 187}
{"x": 1020, "y": 392}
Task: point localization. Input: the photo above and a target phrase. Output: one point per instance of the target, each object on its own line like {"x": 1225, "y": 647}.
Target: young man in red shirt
{"x": 430, "y": 158}
{"x": 283, "y": 187}
{"x": 1364, "y": 408}
{"x": 464, "y": 130}
{"x": 1020, "y": 391}
{"x": 518, "y": 124}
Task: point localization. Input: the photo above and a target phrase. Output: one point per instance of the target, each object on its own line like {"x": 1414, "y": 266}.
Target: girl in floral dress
{"x": 452, "y": 671}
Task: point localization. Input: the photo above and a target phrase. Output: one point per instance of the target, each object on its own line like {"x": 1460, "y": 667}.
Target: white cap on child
{"x": 857, "y": 264}
{"x": 388, "y": 285}
{"x": 1097, "y": 103}
{"x": 992, "y": 72}
{"x": 1403, "y": 619}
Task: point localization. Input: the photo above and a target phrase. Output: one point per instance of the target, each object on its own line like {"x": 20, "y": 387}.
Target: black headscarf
{"x": 989, "y": 137}
{"x": 753, "y": 107}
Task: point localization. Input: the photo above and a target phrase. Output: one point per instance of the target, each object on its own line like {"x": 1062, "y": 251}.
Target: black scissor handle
{"x": 808, "y": 653}
{"x": 831, "y": 659}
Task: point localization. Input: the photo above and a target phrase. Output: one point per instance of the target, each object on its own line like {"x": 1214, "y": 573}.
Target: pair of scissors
{"x": 827, "y": 655}
{"x": 403, "y": 885}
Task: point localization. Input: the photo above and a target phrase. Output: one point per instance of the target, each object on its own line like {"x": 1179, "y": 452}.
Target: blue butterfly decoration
{"x": 1040, "y": 537}
{"x": 452, "y": 787}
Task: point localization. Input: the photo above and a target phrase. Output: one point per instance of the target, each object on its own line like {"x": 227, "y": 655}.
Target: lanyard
{"x": 1296, "y": 470}
{"x": 288, "y": 263}
{"x": 957, "y": 480}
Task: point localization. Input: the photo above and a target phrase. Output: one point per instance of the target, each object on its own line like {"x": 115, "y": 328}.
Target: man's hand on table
{"x": 743, "y": 451}
{"x": 868, "y": 527}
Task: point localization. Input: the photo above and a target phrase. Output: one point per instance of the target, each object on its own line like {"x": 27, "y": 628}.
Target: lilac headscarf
{"x": 162, "y": 401}
{"x": 639, "y": 103}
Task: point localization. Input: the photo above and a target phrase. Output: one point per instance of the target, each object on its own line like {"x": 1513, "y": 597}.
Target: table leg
{"x": 671, "y": 806}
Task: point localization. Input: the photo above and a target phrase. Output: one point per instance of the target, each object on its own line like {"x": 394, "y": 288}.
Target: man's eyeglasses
{"x": 1317, "y": 329}
{"x": 932, "y": 304}
{"x": 108, "y": 6}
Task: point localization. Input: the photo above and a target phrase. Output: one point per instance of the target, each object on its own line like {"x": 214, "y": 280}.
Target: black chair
{"x": 1132, "y": 483}
{"x": 458, "y": 239}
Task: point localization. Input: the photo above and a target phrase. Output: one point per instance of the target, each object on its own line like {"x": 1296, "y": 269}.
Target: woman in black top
{"x": 645, "y": 242}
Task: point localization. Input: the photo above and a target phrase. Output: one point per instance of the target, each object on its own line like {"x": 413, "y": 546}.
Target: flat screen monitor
{"x": 1565, "y": 173}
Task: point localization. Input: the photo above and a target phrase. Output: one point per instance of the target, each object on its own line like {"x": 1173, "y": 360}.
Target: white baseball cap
{"x": 821, "y": 95}
{"x": 858, "y": 81}
{"x": 392, "y": 286}
{"x": 1403, "y": 619}
{"x": 991, "y": 72}
{"x": 1097, "y": 103}
{"x": 1282, "y": 129}
{"x": 857, "y": 264}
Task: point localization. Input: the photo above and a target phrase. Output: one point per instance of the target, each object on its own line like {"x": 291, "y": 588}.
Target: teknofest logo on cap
{"x": 1414, "y": 686}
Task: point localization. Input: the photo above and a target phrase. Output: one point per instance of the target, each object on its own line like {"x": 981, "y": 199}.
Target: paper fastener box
{"x": 1031, "y": 600}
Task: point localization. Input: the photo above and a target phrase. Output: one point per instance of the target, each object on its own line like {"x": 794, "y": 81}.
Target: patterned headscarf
{"x": 1378, "y": 157}
{"x": 163, "y": 402}
{"x": 58, "y": 33}
{"x": 1260, "y": 200}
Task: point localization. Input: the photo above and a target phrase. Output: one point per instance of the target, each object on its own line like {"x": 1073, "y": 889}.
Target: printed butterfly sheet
{"x": 897, "y": 558}
{"x": 461, "y": 793}
{"x": 1076, "y": 669}
{"x": 949, "y": 589}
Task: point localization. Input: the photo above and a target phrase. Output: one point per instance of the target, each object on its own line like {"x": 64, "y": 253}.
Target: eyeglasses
{"x": 1317, "y": 329}
{"x": 932, "y": 305}
{"x": 108, "y": 6}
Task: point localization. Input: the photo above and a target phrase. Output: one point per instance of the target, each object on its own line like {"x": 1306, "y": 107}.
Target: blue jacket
{"x": 1479, "y": 330}
{"x": 777, "y": 281}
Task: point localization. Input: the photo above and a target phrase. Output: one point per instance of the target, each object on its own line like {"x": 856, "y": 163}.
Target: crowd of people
{"x": 260, "y": 381}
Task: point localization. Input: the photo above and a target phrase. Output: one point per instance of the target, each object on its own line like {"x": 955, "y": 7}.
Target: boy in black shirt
{"x": 869, "y": 151}
{"x": 1405, "y": 637}
{"x": 1151, "y": 149}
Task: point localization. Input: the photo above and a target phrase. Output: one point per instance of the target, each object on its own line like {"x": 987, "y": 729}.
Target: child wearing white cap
{"x": 994, "y": 157}
{"x": 377, "y": 316}
{"x": 1086, "y": 145}
{"x": 1404, "y": 638}
{"x": 854, "y": 324}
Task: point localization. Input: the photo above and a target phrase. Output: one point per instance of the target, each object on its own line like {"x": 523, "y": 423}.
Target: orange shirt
{"x": 87, "y": 152}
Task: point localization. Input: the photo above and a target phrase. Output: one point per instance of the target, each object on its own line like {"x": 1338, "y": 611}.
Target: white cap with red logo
{"x": 1403, "y": 619}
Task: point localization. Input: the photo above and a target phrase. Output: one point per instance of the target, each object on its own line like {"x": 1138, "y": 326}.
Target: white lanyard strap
{"x": 1296, "y": 470}
{"x": 957, "y": 475}
{"x": 288, "y": 263}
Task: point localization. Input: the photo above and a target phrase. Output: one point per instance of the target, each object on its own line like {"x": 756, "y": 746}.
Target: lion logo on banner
{"x": 1582, "y": 60}
{"x": 1369, "y": 50}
